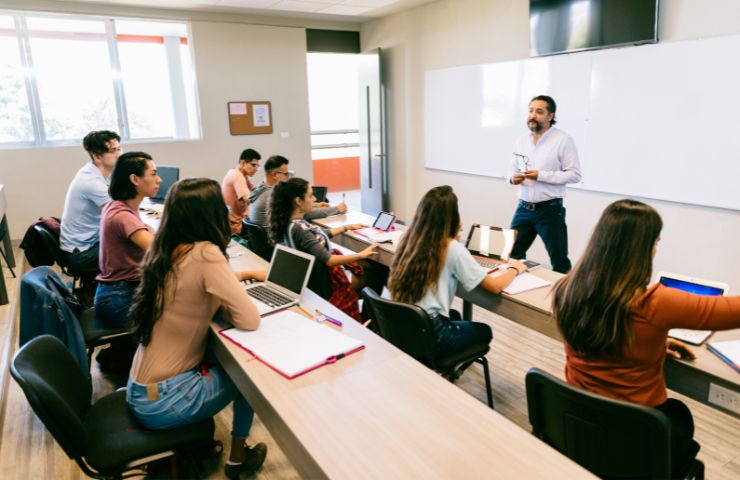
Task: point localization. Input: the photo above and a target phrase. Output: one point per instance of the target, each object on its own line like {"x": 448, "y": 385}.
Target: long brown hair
{"x": 593, "y": 304}
{"x": 282, "y": 203}
{"x": 194, "y": 211}
{"x": 421, "y": 254}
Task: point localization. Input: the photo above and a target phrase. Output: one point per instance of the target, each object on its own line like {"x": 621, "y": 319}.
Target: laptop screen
{"x": 692, "y": 286}
{"x": 289, "y": 270}
{"x": 491, "y": 242}
{"x": 320, "y": 193}
{"x": 169, "y": 176}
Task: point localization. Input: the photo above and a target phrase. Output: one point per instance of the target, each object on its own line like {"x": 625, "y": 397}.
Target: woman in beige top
{"x": 185, "y": 281}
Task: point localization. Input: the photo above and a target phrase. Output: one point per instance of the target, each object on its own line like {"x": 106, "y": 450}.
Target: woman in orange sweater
{"x": 616, "y": 327}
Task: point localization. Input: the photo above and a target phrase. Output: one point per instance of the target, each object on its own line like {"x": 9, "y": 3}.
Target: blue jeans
{"x": 190, "y": 397}
{"x": 546, "y": 219}
{"x": 112, "y": 302}
{"x": 456, "y": 335}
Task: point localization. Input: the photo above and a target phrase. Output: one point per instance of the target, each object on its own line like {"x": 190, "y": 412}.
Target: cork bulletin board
{"x": 250, "y": 118}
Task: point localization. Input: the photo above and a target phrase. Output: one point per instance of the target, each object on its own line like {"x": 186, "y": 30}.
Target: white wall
{"x": 233, "y": 62}
{"x": 696, "y": 240}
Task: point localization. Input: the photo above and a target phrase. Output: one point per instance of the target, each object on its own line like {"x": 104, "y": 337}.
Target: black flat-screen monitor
{"x": 559, "y": 26}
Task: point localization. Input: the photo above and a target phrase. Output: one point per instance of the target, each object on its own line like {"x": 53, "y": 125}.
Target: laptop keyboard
{"x": 268, "y": 296}
{"x": 487, "y": 263}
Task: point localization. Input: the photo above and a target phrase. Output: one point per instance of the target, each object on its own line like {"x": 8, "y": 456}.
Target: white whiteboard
{"x": 653, "y": 121}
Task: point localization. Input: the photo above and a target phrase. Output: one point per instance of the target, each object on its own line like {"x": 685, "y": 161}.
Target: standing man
{"x": 236, "y": 187}
{"x": 88, "y": 192}
{"x": 545, "y": 160}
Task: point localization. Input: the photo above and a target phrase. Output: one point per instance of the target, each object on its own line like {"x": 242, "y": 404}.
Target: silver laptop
{"x": 490, "y": 246}
{"x": 698, "y": 287}
{"x": 286, "y": 281}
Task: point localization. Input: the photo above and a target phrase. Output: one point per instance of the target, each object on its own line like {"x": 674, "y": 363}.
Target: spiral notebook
{"x": 292, "y": 344}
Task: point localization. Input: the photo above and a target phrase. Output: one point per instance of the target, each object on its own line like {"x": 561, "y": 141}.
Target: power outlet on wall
{"x": 724, "y": 398}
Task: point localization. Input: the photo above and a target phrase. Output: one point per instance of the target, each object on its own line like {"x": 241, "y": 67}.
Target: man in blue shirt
{"x": 545, "y": 160}
{"x": 88, "y": 192}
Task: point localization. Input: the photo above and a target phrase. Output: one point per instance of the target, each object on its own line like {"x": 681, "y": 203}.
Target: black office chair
{"x": 103, "y": 438}
{"x": 611, "y": 438}
{"x": 258, "y": 240}
{"x": 52, "y": 245}
{"x": 96, "y": 334}
{"x": 409, "y": 328}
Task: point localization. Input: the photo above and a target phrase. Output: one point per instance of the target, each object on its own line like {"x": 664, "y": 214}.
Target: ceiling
{"x": 354, "y": 11}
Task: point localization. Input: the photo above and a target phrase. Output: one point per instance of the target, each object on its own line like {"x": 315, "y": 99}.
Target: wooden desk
{"x": 355, "y": 241}
{"x": 532, "y": 309}
{"x": 380, "y": 414}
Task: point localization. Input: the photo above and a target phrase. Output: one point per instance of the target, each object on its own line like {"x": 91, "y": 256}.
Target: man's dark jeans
{"x": 546, "y": 219}
{"x": 84, "y": 264}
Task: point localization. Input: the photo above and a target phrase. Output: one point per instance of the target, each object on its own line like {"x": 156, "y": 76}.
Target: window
{"x": 15, "y": 116}
{"x": 62, "y": 76}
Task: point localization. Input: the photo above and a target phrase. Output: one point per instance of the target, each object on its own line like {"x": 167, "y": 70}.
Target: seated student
{"x": 85, "y": 198}
{"x": 236, "y": 187}
{"x": 616, "y": 328}
{"x": 124, "y": 238}
{"x": 186, "y": 279}
{"x": 290, "y": 201}
{"x": 276, "y": 170}
{"x": 429, "y": 263}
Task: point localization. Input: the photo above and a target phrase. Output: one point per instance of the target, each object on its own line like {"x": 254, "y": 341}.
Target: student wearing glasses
{"x": 616, "y": 327}
{"x": 236, "y": 187}
{"x": 276, "y": 171}
{"x": 88, "y": 192}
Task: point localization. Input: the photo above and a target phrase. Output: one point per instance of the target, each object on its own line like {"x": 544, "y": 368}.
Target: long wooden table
{"x": 693, "y": 378}
{"x": 380, "y": 414}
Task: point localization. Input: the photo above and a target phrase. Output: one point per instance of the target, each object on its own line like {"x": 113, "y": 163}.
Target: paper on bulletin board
{"x": 261, "y": 115}
{"x": 238, "y": 108}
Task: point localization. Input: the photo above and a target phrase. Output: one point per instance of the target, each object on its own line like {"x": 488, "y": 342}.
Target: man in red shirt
{"x": 236, "y": 187}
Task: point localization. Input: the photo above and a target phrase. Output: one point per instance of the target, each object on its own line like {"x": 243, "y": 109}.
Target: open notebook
{"x": 292, "y": 344}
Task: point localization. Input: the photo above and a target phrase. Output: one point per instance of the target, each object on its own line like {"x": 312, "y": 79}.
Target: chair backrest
{"x": 56, "y": 389}
{"x": 611, "y": 438}
{"x": 51, "y": 242}
{"x": 259, "y": 242}
{"x": 408, "y": 327}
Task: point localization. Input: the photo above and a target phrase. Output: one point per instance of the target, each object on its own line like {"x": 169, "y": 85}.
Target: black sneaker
{"x": 252, "y": 462}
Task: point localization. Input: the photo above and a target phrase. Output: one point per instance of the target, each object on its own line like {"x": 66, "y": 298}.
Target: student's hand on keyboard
{"x": 679, "y": 350}
{"x": 369, "y": 251}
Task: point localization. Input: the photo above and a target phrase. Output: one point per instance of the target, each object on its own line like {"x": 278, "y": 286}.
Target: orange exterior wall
{"x": 337, "y": 173}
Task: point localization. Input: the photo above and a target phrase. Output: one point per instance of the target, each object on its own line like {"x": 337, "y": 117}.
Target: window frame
{"x": 177, "y": 88}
